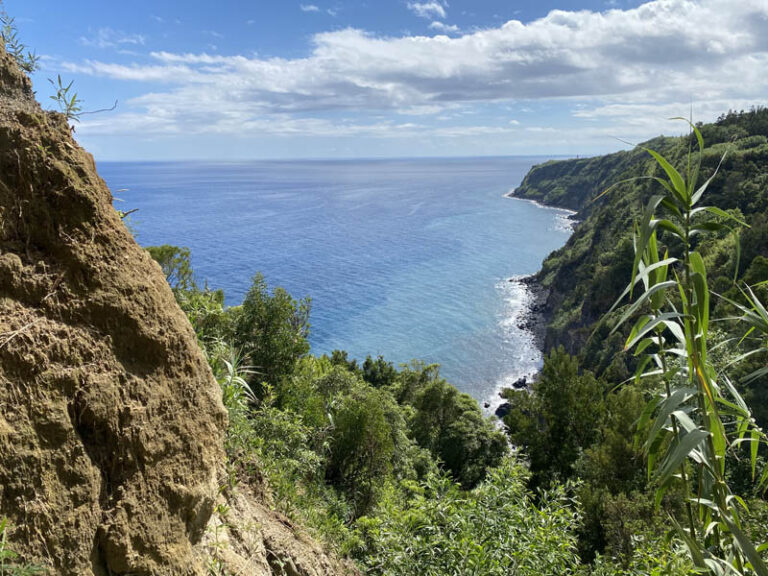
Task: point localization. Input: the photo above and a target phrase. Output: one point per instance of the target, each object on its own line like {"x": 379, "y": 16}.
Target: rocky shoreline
{"x": 534, "y": 318}
{"x": 534, "y": 321}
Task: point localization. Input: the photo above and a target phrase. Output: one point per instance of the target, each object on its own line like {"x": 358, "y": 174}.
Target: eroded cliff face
{"x": 111, "y": 423}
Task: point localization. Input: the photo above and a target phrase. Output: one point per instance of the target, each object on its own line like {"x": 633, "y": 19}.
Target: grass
{"x": 9, "y": 559}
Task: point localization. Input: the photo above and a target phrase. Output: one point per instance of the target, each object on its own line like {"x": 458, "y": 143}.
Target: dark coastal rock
{"x": 520, "y": 383}
{"x": 503, "y": 410}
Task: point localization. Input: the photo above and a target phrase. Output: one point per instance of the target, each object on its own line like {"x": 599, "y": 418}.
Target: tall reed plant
{"x": 696, "y": 416}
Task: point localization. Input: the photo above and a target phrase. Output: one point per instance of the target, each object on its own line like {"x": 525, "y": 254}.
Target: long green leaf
{"x": 753, "y": 452}
{"x": 671, "y": 227}
{"x": 746, "y": 546}
{"x": 666, "y": 408}
{"x": 666, "y": 319}
{"x": 723, "y": 214}
{"x": 640, "y": 301}
{"x": 648, "y": 269}
{"x": 678, "y": 184}
{"x": 681, "y": 452}
{"x": 697, "y": 554}
{"x": 700, "y": 192}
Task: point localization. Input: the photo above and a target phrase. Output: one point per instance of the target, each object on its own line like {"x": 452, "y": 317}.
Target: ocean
{"x": 410, "y": 259}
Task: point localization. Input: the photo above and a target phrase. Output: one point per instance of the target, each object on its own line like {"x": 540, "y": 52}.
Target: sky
{"x": 278, "y": 79}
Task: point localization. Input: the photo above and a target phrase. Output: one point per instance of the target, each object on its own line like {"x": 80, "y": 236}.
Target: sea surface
{"x": 403, "y": 258}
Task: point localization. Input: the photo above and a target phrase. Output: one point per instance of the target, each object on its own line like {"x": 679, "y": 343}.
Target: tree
{"x": 204, "y": 307}
{"x": 175, "y": 264}
{"x": 379, "y": 373}
{"x": 271, "y": 331}
{"x": 451, "y": 425}
{"x": 362, "y": 445}
{"x": 559, "y": 420}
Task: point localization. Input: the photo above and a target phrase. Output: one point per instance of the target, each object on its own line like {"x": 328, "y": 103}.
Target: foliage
{"x": 379, "y": 373}
{"x": 616, "y": 503}
{"x": 698, "y": 415}
{"x": 495, "y": 529}
{"x": 211, "y": 319}
{"x": 26, "y": 59}
{"x": 272, "y": 330}
{"x": 451, "y": 425}
{"x": 396, "y": 467}
{"x": 586, "y": 276}
{"x": 331, "y": 438}
{"x": 66, "y": 99}
{"x": 9, "y": 560}
{"x": 175, "y": 264}
{"x": 362, "y": 444}
{"x": 558, "y": 420}
{"x": 652, "y": 555}
{"x": 585, "y": 279}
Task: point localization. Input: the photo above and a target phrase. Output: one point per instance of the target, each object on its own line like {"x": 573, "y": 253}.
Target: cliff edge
{"x": 111, "y": 423}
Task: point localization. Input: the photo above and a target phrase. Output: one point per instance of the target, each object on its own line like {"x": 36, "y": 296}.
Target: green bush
{"x": 494, "y": 529}
{"x": 271, "y": 331}
{"x": 451, "y": 425}
{"x": 559, "y": 420}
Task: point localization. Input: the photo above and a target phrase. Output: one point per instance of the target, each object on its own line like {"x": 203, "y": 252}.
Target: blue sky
{"x": 342, "y": 78}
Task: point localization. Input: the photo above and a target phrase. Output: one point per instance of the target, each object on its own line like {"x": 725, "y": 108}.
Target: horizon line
{"x": 344, "y": 159}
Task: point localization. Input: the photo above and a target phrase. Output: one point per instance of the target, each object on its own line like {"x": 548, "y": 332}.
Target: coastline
{"x": 533, "y": 319}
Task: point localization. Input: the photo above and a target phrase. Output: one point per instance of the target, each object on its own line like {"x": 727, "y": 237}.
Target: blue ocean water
{"x": 404, "y": 258}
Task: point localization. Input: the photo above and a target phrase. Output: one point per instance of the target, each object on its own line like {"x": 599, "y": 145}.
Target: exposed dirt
{"x": 111, "y": 424}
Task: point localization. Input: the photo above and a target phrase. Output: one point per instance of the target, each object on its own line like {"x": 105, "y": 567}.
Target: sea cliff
{"x": 579, "y": 282}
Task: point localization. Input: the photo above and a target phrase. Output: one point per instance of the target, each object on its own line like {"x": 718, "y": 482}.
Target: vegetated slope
{"x": 587, "y": 275}
{"x": 111, "y": 423}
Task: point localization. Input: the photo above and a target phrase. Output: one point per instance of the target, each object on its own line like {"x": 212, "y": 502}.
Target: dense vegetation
{"x": 391, "y": 466}
{"x": 587, "y": 275}
{"x": 671, "y": 393}
{"x": 397, "y": 469}
{"x": 639, "y": 421}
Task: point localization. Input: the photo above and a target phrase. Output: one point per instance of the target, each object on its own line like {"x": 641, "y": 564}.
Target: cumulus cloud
{"x": 614, "y": 61}
{"x": 309, "y": 8}
{"x": 431, "y": 9}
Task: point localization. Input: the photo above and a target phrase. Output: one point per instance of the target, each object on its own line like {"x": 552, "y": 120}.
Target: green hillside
{"x": 586, "y": 276}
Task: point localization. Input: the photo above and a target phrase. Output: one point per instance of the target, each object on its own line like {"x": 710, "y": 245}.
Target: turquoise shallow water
{"x": 405, "y": 258}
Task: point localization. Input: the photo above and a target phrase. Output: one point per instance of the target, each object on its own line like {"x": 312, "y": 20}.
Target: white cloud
{"x": 432, "y": 9}
{"x": 309, "y": 8}
{"x": 445, "y": 28}
{"x": 109, "y": 38}
{"x": 619, "y": 62}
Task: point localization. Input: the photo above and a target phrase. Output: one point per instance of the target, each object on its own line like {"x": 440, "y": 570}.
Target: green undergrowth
{"x": 655, "y": 403}
{"x": 10, "y": 562}
{"x": 390, "y": 466}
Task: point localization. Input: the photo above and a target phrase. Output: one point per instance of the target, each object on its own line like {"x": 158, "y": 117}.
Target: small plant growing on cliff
{"x": 67, "y": 101}
{"x": 26, "y": 59}
{"x": 8, "y": 558}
